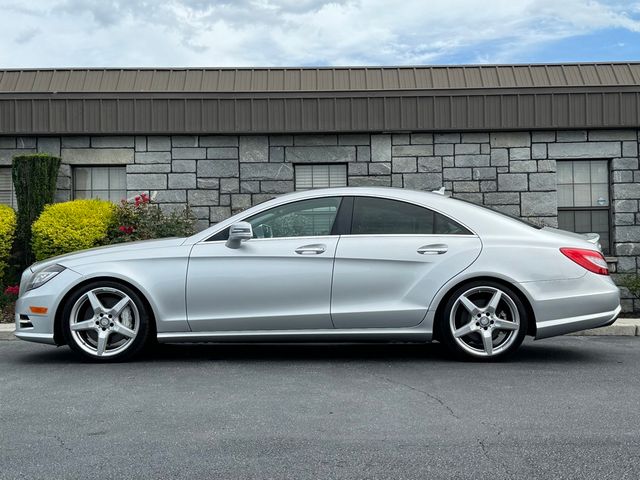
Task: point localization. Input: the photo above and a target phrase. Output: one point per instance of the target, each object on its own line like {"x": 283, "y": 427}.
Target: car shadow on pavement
{"x": 382, "y": 352}
{"x": 529, "y": 352}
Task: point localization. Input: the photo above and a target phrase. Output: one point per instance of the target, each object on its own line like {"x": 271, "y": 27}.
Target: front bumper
{"x": 39, "y": 328}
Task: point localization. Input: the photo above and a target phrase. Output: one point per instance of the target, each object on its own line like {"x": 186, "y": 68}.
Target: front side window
{"x": 7, "y": 193}
{"x": 106, "y": 183}
{"x": 379, "y": 216}
{"x": 307, "y": 218}
{"x": 583, "y": 198}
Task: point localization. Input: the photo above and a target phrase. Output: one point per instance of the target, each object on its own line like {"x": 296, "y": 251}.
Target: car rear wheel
{"x": 483, "y": 321}
{"x": 105, "y": 321}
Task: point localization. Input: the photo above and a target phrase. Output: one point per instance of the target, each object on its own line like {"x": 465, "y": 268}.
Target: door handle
{"x": 315, "y": 249}
{"x": 435, "y": 249}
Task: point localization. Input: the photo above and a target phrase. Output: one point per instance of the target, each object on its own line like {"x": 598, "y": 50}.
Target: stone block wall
{"x": 216, "y": 176}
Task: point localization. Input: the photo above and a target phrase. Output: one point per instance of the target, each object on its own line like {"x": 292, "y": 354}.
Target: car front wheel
{"x": 105, "y": 321}
{"x": 483, "y": 321}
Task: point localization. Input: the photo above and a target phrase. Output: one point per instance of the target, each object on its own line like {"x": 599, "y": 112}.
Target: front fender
{"x": 161, "y": 279}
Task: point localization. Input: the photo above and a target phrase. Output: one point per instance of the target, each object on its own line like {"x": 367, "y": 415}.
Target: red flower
{"x": 137, "y": 199}
{"x": 12, "y": 290}
{"x": 122, "y": 228}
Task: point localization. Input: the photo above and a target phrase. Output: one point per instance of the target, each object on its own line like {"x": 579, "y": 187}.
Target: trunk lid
{"x": 592, "y": 238}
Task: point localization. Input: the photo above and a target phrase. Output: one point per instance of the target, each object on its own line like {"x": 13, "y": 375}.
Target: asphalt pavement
{"x": 563, "y": 408}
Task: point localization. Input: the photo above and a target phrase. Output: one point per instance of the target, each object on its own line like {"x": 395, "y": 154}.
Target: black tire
{"x": 134, "y": 318}
{"x": 497, "y": 328}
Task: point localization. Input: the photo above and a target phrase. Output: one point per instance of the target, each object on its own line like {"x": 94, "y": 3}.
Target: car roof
{"x": 474, "y": 217}
{"x": 368, "y": 191}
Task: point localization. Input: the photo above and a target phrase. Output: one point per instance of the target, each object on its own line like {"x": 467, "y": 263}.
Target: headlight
{"x": 43, "y": 276}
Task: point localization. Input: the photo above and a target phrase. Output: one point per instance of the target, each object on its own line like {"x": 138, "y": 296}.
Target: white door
{"x": 396, "y": 258}
{"x": 279, "y": 280}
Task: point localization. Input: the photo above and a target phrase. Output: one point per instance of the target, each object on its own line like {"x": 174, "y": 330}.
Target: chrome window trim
{"x": 461, "y": 235}
{"x": 252, "y": 240}
{"x": 225, "y": 223}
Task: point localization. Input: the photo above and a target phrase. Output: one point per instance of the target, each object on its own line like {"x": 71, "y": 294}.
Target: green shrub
{"x": 7, "y": 230}
{"x": 34, "y": 180}
{"x": 142, "y": 220}
{"x": 69, "y": 226}
{"x": 632, "y": 283}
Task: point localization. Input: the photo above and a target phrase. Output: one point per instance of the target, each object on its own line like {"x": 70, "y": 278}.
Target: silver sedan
{"x": 335, "y": 265}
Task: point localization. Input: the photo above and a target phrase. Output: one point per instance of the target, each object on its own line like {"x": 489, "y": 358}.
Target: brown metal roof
{"x": 319, "y": 79}
{"x": 292, "y": 100}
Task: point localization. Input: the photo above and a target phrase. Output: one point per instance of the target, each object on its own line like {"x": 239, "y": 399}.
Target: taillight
{"x": 592, "y": 260}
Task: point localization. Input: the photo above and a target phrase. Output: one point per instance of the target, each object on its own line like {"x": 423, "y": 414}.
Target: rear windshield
{"x": 508, "y": 215}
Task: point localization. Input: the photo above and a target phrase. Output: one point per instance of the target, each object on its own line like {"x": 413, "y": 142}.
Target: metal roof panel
{"x": 246, "y": 80}
{"x": 25, "y": 81}
{"x": 193, "y": 80}
{"x": 176, "y": 81}
{"x": 59, "y": 80}
{"x": 42, "y": 81}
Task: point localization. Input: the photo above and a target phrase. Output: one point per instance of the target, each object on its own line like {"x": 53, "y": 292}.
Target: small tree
{"x": 34, "y": 180}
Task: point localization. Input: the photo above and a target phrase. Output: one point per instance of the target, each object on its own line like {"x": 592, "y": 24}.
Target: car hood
{"x": 107, "y": 250}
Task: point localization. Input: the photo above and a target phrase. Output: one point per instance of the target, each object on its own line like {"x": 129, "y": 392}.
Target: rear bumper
{"x": 567, "y": 306}
{"x": 551, "y": 328}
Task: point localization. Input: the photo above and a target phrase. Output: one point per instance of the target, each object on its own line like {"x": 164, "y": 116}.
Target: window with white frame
{"x": 320, "y": 176}
{"x": 583, "y": 198}
{"x": 106, "y": 183}
{"x": 7, "y": 193}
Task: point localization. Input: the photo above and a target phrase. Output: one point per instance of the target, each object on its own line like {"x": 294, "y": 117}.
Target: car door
{"x": 278, "y": 280}
{"x": 395, "y": 259}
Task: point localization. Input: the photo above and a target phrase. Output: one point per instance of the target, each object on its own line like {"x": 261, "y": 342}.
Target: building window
{"x": 107, "y": 183}
{"x": 7, "y": 194}
{"x": 320, "y": 176}
{"x": 583, "y": 198}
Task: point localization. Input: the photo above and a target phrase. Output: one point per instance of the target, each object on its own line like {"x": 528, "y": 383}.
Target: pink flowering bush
{"x": 144, "y": 220}
{"x": 8, "y": 302}
{"x": 12, "y": 290}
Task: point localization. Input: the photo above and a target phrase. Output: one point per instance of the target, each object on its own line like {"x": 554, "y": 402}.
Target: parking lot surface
{"x": 561, "y": 408}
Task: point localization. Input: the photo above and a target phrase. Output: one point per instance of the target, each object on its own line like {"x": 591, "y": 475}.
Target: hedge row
{"x": 7, "y": 231}
{"x": 69, "y": 226}
{"x": 80, "y": 224}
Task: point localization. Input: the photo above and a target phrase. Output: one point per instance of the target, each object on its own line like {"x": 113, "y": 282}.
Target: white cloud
{"x": 293, "y": 32}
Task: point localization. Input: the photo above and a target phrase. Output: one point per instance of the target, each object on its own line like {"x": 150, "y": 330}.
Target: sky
{"x": 242, "y": 33}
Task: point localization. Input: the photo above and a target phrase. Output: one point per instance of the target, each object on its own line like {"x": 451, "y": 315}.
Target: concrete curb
{"x": 627, "y": 327}
{"x": 623, "y": 327}
{"x": 6, "y": 331}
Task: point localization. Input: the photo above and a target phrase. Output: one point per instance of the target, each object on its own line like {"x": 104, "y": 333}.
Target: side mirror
{"x": 238, "y": 232}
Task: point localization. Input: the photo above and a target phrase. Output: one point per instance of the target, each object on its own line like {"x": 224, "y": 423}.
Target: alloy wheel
{"x": 484, "y": 321}
{"x": 104, "y": 321}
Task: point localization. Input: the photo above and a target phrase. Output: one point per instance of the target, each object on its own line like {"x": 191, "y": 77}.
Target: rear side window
{"x": 380, "y": 216}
